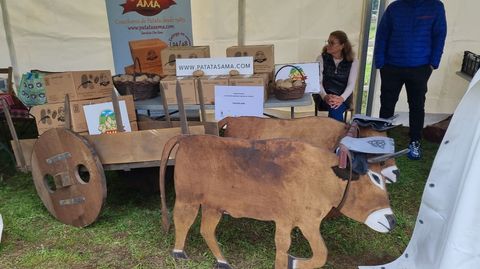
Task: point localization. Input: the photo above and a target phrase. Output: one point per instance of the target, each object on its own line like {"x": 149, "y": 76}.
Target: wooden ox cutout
{"x": 322, "y": 132}
{"x": 286, "y": 181}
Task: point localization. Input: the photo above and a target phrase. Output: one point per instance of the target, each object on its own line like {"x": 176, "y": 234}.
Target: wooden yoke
{"x": 165, "y": 105}
{"x": 118, "y": 114}
{"x": 181, "y": 109}
{"x": 202, "y": 101}
{"x": 352, "y": 131}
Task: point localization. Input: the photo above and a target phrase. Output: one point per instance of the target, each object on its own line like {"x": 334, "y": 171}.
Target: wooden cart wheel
{"x": 69, "y": 177}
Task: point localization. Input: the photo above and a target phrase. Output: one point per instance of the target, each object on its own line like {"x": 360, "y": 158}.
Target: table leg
{"x": 292, "y": 112}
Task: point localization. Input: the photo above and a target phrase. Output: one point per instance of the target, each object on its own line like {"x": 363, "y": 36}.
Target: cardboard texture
{"x": 48, "y": 116}
{"x": 157, "y": 70}
{"x": 228, "y": 169}
{"x": 208, "y": 87}
{"x": 263, "y": 56}
{"x": 53, "y": 115}
{"x": 170, "y": 54}
{"x": 146, "y": 54}
{"x": 129, "y": 69}
{"x": 189, "y": 94}
{"x": 79, "y": 85}
{"x": 251, "y": 80}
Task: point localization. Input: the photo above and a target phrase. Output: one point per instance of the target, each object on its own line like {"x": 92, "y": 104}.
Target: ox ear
{"x": 385, "y": 157}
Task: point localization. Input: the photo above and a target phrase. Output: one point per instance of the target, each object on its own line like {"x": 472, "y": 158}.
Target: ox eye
{"x": 376, "y": 179}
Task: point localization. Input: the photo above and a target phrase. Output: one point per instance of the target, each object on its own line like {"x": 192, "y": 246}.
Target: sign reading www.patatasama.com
{"x": 215, "y": 66}
{"x": 147, "y": 7}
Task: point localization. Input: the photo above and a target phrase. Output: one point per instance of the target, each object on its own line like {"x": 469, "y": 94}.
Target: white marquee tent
{"x": 73, "y": 35}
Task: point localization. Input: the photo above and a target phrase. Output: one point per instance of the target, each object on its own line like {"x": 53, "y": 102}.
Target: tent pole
{"x": 241, "y": 22}
{"x": 11, "y": 47}
{"x": 373, "y": 74}
{"x": 367, "y": 17}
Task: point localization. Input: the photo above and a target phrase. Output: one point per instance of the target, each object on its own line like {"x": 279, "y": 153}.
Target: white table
{"x": 155, "y": 104}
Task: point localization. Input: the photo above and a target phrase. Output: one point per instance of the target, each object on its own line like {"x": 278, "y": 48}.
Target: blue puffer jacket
{"x": 411, "y": 33}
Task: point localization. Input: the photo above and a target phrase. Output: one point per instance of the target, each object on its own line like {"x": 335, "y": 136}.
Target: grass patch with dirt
{"x": 128, "y": 233}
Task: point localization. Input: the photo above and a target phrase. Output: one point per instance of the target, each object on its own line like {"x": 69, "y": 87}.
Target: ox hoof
{"x": 179, "y": 255}
{"x": 222, "y": 265}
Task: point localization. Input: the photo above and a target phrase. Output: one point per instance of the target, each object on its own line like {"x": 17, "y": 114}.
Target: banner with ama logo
{"x": 140, "y": 29}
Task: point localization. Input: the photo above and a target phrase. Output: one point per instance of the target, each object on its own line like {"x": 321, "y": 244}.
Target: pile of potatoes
{"x": 288, "y": 83}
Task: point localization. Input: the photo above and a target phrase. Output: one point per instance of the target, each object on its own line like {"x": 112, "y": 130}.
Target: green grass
{"x": 128, "y": 233}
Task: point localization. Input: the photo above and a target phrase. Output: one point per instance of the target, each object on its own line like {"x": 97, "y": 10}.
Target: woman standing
{"x": 338, "y": 74}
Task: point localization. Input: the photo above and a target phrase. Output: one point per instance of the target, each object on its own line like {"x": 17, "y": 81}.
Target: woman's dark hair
{"x": 342, "y": 37}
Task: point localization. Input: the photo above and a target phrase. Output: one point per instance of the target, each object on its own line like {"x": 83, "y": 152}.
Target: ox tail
{"x": 167, "y": 150}
{"x": 222, "y": 125}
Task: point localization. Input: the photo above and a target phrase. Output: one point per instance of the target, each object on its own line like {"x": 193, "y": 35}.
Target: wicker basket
{"x": 140, "y": 90}
{"x": 294, "y": 92}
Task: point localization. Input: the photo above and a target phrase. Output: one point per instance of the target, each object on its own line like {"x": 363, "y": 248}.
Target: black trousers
{"x": 415, "y": 80}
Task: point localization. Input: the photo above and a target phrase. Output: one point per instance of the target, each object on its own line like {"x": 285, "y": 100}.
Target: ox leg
{"x": 282, "y": 244}
{"x": 210, "y": 219}
{"x": 319, "y": 250}
{"x": 184, "y": 215}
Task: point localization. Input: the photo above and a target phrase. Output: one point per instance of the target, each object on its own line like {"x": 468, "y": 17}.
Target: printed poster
{"x": 310, "y": 71}
{"x": 101, "y": 118}
{"x": 238, "y": 101}
{"x": 167, "y": 22}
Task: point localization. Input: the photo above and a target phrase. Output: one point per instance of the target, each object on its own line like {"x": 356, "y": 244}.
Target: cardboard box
{"x": 48, "y": 116}
{"x": 129, "y": 69}
{"x": 263, "y": 56}
{"x": 251, "y": 80}
{"x": 53, "y": 115}
{"x": 146, "y": 53}
{"x": 79, "y": 85}
{"x": 187, "y": 84}
{"x": 208, "y": 87}
{"x": 170, "y": 54}
{"x": 157, "y": 70}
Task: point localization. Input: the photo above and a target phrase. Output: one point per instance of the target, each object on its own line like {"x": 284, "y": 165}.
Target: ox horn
{"x": 385, "y": 157}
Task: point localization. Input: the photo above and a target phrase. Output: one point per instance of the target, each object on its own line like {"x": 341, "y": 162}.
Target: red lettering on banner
{"x": 147, "y": 7}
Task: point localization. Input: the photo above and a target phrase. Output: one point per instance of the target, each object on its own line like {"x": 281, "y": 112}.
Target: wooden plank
{"x": 16, "y": 144}
{"x": 210, "y": 127}
{"x": 140, "y": 146}
{"x": 121, "y": 148}
{"x": 118, "y": 114}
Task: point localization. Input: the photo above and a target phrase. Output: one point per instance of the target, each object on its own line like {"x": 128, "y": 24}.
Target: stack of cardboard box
{"x": 146, "y": 56}
{"x": 170, "y": 54}
{"x": 83, "y": 88}
{"x": 263, "y": 57}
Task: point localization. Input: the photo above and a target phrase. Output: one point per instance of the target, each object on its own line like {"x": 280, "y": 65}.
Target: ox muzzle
{"x": 382, "y": 220}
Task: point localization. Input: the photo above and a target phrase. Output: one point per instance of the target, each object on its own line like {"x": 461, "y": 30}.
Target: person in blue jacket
{"x": 408, "y": 47}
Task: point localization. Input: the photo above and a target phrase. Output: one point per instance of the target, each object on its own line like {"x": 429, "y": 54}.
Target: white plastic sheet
{"x": 447, "y": 230}
{"x": 1, "y": 228}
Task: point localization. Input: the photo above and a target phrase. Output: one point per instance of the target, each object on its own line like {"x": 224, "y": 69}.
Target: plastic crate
{"x": 471, "y": 63}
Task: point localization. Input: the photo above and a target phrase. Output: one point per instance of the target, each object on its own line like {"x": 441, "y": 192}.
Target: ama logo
{"x": 297, "y": 74}
{"x": 146, "y": 7}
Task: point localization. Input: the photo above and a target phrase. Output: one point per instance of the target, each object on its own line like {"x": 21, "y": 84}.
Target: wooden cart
{"x": 68, "y": 169}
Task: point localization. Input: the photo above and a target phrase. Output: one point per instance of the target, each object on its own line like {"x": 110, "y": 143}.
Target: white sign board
{"x": 238, "y": 101}
{"x": 101, "y": 118}
{"x": 310, "y": 70}
{"x": 215, "y": 66}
